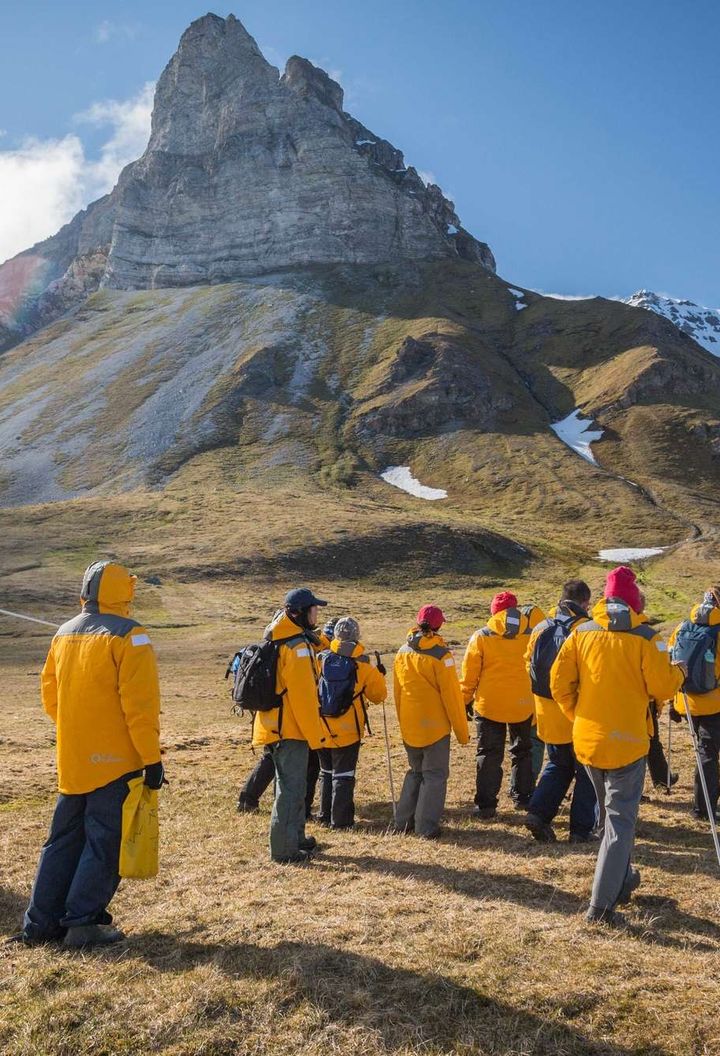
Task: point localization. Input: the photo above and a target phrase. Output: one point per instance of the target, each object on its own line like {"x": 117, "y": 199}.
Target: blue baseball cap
{"x": 301, "y": 598}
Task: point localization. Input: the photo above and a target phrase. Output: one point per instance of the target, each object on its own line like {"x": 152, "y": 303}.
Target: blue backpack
{"x": 696, "y": 645}
{"x": 547, "y": 646}
{"x": 336, "y": 686}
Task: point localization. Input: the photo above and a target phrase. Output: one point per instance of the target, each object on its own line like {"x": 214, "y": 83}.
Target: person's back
{"x": 429, "y": 705}
{"x": 603, "y": 679}
{"x": 100, "y": 686}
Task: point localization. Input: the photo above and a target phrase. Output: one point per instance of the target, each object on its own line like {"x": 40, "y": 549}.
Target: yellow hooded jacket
{"x": 100, "y": 686}
{"x": 370, "y": 685}
{"x": 553, "y": 726}
{"x": 427, "y": 692}
{"x": 493, "y": 669}
{"x": 603, "y": 679}
{"x": 298, "y": 717}
{"x": 701, "y": 703}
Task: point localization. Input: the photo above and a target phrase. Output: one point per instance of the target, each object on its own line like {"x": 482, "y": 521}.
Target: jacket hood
{"x": 283, "y": 627}
{"x": 513, "y": 620}
{"x": 353, "y": 649}
{"x": 108, "y": 587}
{"x": 616, "y": 615}
{"x": 426, "y": 641}
{"x": 705, "y": 614}
{"x": 570, "y": 608}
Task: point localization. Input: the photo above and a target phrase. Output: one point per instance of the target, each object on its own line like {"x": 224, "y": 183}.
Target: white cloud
{"x": 43, "y": 183}
{"x": 107, "y": 30}
{"x": 567, "y": 296}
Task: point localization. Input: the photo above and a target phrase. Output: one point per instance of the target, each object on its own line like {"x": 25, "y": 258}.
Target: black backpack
{"x": 546, "y": 648}
{"x": 254, "y": 671}
{"x": 696, "y": 645}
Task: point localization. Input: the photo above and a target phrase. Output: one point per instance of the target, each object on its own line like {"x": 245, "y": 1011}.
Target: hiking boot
{"x": 632, "y": 883}
{"x": 309, "y": 844}
{"x": 662, "y": 786}
{"x": 582, "y": 837}
{"x": 520, "y": 802}
{"x": 485, "y": 813}
{"x": 609, "y": 917}
{"x": 542, "y": 831}
{"x": 434, "y": 835}
{"x": 87, "y": 935}
{"x": 299, "y": 858}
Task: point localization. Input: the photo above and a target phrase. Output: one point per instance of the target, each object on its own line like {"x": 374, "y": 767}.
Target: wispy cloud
{"x": 108, "y": 30}
{"x": 43, "y": 183}
{"x": 426, "y": 176}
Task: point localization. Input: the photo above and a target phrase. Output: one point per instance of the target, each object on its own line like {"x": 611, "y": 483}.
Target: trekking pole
{"x": 30, "y": 619}
{"x": 669, "y": 770}
{"x": 701, "y": 775}
{"x": 389, "y": 764}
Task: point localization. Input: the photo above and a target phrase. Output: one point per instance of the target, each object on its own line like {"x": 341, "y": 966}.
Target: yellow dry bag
{"x": 140, "y": 832}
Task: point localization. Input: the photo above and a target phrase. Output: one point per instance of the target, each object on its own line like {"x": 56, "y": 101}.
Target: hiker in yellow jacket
{"x": 348, "y": 680}
{"x": 293, "y": 728}
{"x": 429, "y": 705}
{"x": 100, "y": 687}
{"x": 603, "y": 679}
{"x": 555, "y": 729}
{"x": 494, "y": 680}
{"x": 705, "y": 707}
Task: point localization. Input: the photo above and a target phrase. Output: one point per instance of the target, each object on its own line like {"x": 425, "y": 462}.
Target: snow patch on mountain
{"x": 575, "y": 431}
{"x": 401, "y": 477}
{"x": 630, "y": 553}
{"x": 700, "y": 323}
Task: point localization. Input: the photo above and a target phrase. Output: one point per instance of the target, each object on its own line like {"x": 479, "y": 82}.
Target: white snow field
{"x": 699, "y": 322}
{"x": 631, "y": 553}
{"x": 401, "y": 477}
{"x": 577, "y": 434}
{"x": 519, "y": 296}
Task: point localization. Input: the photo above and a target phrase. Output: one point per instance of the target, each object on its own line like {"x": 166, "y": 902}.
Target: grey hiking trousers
{"x": 422, "y": 799}
{"x": 618, "y": 794}
{"x": 287, "y": 821}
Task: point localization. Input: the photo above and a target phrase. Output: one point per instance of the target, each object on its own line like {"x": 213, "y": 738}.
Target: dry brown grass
{"x": 475, "y": 944}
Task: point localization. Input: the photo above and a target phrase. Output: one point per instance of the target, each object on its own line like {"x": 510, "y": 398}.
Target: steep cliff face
{"x": 246, "y": 172}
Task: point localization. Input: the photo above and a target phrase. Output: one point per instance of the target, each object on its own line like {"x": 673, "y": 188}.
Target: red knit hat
{"x": 432, "y": 616}
{"x": 620, "y": 583}
{"x": 504, "y": 600}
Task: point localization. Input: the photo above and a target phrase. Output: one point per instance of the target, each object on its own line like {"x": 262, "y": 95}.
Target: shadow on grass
{"x": 410, "y": 1010}
{"x": 12, "y": 908}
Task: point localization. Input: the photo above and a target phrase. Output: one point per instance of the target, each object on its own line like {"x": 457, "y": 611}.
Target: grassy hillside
{"x": 386, "y": 945}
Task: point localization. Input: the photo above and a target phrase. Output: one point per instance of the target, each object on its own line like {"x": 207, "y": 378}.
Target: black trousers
{"x": 490, "y": 752}
{"x": 657, "y": 763}
{"x": 337, "y": 785}
{"x": 707, "y": 728}
{"x": 264, "y": 773}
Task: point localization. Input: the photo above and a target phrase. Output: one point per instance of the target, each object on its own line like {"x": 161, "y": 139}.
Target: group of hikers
{"x": 581, "y": 687}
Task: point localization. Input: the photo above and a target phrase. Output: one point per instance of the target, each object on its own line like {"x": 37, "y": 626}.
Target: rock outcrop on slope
{"x": 246, "y": 172}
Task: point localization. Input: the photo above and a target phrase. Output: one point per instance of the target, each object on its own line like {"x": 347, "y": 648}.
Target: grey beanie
{"x": 347, "y": 629}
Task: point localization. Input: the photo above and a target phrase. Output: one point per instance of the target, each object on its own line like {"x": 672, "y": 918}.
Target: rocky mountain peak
{"x": 700, "y": 323}
{"x": 246, "y": 172}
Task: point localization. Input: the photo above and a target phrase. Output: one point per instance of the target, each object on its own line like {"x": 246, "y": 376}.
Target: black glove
{"x": 675, "y": 716}
{"x": 380, "y": 665}
{"x": 155, "y": 776}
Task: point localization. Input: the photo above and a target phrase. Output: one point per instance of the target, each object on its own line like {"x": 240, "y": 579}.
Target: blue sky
{"x": 579, "y": 139}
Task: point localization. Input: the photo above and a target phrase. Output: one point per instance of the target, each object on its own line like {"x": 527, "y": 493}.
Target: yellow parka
{"x": 427, "y": 692}
{"x": 493, "y": 669}
{"x": 100, "y": 686}
{"x": 298, "y": 717}
{"x": 553, "y": 726}
{"x": 603, "y": 679}
{"x": 370, "y": 686}
{"x": 701, "y": 703}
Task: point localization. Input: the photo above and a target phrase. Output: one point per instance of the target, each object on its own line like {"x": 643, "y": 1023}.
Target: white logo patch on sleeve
{"x": 660, "y": 645}
{"x": 512, "y": 619}
{"x": 449, "y": 662}
{"x": 140, "y": 639}
{"x": 302, "y": 652}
